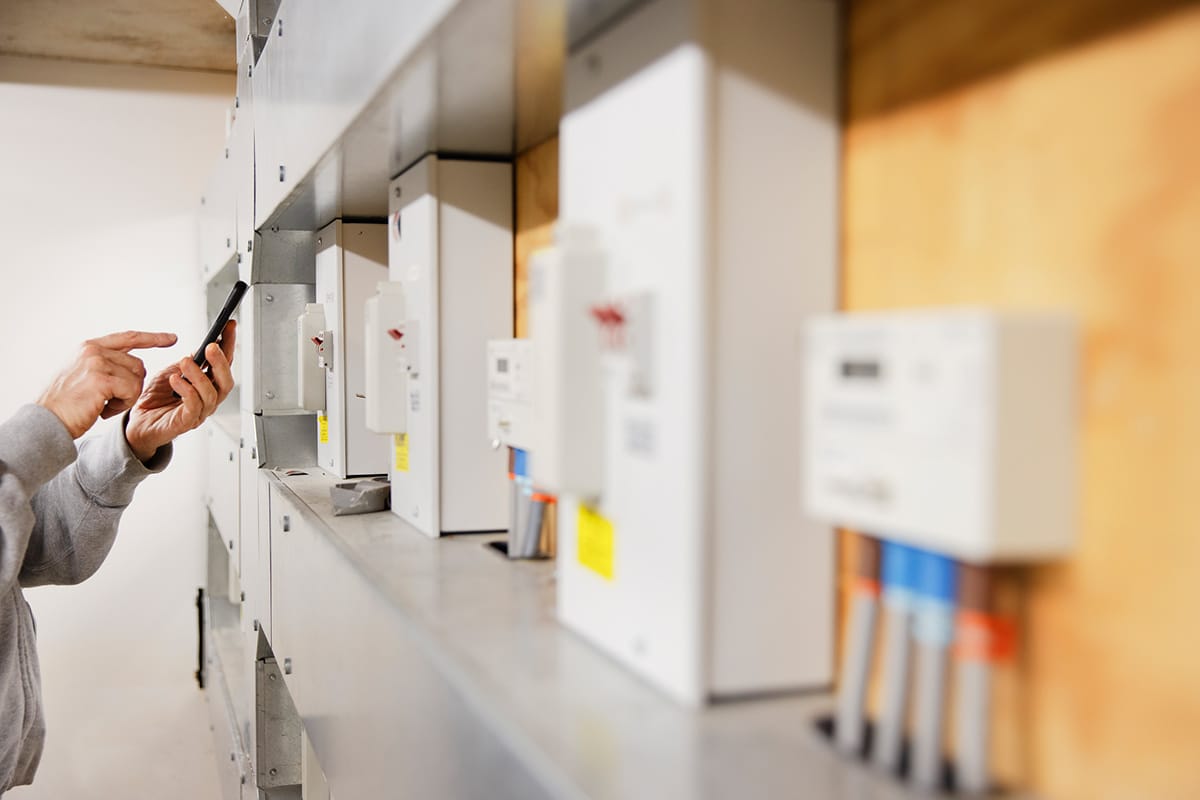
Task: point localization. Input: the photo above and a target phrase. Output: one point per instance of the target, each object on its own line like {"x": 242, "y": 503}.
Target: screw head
{"x": 273, "y": 772}
{"x": 270, "y": 298}
{"x": 287, "y": 666}
{"x": 270, "y": 395}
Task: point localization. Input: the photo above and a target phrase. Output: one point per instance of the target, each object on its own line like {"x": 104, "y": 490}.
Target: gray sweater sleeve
{"x": 66, "y": 513}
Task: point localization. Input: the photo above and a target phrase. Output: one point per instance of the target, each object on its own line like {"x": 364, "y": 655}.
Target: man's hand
{"x": 104, "y": 381}
{"x": 180, "y": 397}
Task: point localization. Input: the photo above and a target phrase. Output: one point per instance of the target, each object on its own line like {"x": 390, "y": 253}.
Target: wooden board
{"x": 1064, "y": 175}
{"x": 537, "y": 211}
{"x": 180, "y": 34}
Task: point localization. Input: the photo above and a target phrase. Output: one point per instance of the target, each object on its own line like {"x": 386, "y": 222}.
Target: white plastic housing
{"x": 450, "y": 244}
{"x": 511, "y": 391}
{"x": 386, "y": 378}
{"x": 351, "y": 261}
{"x": 310, "y": 369}
{"x": 953, "y": 430}
{"x": 701, "y": 147}
{"x": 565, "y": 283}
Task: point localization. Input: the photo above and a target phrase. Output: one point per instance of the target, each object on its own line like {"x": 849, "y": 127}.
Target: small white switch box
{"x": 386, "y": 384}
{"x": 314, "y": 342}
{"x": 351, "y": 260}
{"x": 952, "y": 430}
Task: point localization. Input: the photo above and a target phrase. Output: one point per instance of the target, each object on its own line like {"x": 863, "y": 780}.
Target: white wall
{"x": 101, "y": 169}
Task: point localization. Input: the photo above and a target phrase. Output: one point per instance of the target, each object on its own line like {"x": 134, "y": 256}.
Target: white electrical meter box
{"x": 511, "y": 391}
{"x": 386, "y": 351}
{"x": 699, "y": 230}
{"x": 351, "y": 261}
{"x": 450, "y": 246}
{"x": 952, "y": 430}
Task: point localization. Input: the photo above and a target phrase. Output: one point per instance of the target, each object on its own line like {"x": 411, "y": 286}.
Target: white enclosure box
{"x": 351, "y": 261}
{"x": 386, "y": 353}
{"x": 700, "y": 155}
{"x": 450, "y": 245}
{"x": 952, "y": 430}
{"x": 511, "y": 391}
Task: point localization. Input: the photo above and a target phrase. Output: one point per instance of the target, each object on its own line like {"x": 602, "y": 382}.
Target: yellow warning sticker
{"x": 401, "y": 452}
{"x": 322, "y": 429}
{"x": 595, "y": 544}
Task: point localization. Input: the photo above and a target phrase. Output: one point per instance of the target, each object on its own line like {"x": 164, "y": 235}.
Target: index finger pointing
{"x": 134, "y": 340}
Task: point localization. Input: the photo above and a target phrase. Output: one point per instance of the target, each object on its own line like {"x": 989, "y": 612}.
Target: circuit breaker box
{"x": 450, "y": 248}
{"x": 699, "y": 158}
{"x": 351, "y": 260}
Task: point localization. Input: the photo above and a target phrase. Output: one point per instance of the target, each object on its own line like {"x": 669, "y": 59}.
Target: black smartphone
{"x": 214, "y": 333}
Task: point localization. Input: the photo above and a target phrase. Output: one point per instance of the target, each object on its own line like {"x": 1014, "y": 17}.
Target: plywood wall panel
{"x": 1068, "y": 178}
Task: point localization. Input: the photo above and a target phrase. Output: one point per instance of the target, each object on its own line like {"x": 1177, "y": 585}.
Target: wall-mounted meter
{"x": 351, "y": 260}
{"x": 511, "y": 391}
{"x": 699, "y": 229}
{"x": 952, "y": 430}
{"x": 450, "y": 247}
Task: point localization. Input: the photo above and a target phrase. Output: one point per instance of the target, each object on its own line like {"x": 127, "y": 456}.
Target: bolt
{"x": 272, "y": 676}
{"x": 266, "y": 21}
{"x": 269, "y": 298}
{"x": 273, "y": 772}
{"x": 270, "y": 395}
{"x": 287, "y": 666}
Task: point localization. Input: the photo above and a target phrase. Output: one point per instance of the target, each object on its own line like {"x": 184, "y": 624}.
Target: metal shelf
{"x": 437, "y": 668}
{"x": 346, "y": 96}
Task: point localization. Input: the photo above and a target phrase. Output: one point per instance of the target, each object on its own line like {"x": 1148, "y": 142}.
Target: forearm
{"x": 34, "y": 447}
{"x": 79, "y": 509}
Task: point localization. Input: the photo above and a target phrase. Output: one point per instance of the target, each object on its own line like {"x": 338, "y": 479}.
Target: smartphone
{"x": 214, "y": 333}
